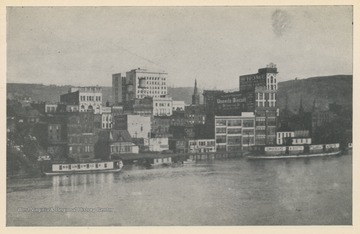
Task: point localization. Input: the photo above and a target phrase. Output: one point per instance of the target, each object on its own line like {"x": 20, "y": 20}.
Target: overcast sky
{"x": 215, "y": 45}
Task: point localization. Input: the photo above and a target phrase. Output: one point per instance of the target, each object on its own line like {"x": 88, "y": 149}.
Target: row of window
{"x": 79, "y": 166}
{"x": 264, "y": 96}
{"x": 120, "y": 149}
{"x": 152, "y": 78}
{"x": 155, "y": 83}
{"x": 81, "y": 149}
{"x": 162, "y": 104}
{"x": 90, "y": 98}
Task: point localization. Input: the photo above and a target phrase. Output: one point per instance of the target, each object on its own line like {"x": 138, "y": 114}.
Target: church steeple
{"x": 195, "y": 96}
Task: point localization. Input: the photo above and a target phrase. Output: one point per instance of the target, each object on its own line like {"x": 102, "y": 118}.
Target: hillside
{"x": 325, "y": 90}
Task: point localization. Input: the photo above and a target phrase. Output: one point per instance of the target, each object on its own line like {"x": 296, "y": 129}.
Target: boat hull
{"x": 296, "y": 156}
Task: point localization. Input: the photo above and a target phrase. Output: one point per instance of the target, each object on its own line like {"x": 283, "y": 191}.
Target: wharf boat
{"x": 88, "y": 167}
{"x": 288, "y": 152}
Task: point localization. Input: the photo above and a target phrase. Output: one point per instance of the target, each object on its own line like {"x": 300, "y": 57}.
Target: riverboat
{"x": 303, "y": 151}
{"x": 89, "y": 167}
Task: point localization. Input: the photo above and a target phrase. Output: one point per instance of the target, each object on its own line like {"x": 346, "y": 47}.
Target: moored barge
{"x": 89, "y": 167}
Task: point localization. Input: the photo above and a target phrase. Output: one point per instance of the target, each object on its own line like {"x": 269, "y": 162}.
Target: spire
{"x": 195, "y": 88}
{"x": 195, "y": 96}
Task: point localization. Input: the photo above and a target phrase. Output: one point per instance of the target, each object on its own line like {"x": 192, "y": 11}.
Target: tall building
{"x": 118, "y": 89}
{"x": 195, "y": 96}
{"x": 85, "y": 98}
{"x": 141, "y": 83}
{"x": 264, "y": 86}
{"x": 80, "y": 135}
{"x": 266, "y": 77}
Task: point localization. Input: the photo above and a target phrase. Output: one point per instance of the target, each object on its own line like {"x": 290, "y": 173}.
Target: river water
{"x": 315, "y": 191}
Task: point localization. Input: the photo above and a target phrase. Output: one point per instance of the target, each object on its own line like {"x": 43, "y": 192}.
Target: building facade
{"x": 235, "y": 133}
{"x": 80, "y": 136}
{"x": 202, "y": 145}
{"x": 86, "y": 98}
{"x": 266, "y": 77}
{"x": 118, "y": 84}
{"x": 141, "y": 83}
{"x": 138, "y": 126}
{"x": 178, "y": 106}
{"x": 162, "y": 106}
{"x": 160, "y": 126}
{"x": 264, "y": 87}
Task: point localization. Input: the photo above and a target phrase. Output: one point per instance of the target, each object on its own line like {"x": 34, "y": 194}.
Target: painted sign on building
{"x": 234, "y": 103}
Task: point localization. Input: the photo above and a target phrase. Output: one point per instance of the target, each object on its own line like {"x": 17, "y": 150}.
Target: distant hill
{"x": 51, "y": 93}
{"x": 325, "y": 89}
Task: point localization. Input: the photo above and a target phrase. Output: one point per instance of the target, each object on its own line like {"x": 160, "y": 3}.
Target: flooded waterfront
{"x": 315, "y": 191}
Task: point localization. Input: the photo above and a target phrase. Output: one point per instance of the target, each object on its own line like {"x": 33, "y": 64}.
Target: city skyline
{"x": 86, "y": 45}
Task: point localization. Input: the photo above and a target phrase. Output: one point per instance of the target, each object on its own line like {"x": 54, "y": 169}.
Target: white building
{"x": 202, "y": 145}
{"x": 142, "y": 83}
{"x": 138, "y": 126}
{"x": 158, "y": 144}
{"x": 106, "y": 118}
{"x": 178, "y": 106}
{"x": 86, "y": 98}
{"x": 281, "y": 136}
{"x": 162, "y": 106}
{"x": 234, "y": 133}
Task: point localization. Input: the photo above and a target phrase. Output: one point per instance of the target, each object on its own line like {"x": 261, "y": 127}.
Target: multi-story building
{"x": 57, "y": 136}
{"x": 142, "y": 107}
{"x": 140, "y": 83}
{"x": 160, "y": 126}
{"x": 106, "y": 118}
{"x": 80, "y": 136}
{"x": 233, "y": 103}
{"x": 202, "y": 145}
{"x": 86, "y": 98}
{"x": 264, "y": 87}
{"x": 235, "y": 133}
{"x": 118, "y": 88}
{"x": 266, "y": 77}
{"x": 138, "y": 126}
{"x": 266, "y": 125}
{"x": 195, "y": 115}
{"x": 162, "y": 106}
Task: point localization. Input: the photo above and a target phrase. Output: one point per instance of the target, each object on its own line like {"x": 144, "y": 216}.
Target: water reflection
{"x": 81, "y": 182}
{"x": 229, "y": 192}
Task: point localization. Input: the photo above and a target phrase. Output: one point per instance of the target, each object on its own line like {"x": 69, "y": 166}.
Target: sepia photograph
{"x": 219, "y": 115}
